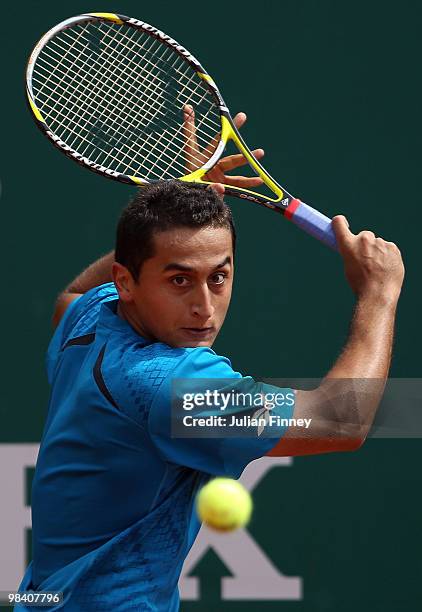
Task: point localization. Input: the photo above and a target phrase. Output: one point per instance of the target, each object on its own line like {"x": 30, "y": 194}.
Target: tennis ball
{"x": 224, "y": 504}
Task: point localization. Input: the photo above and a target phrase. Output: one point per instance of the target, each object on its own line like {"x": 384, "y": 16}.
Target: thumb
{"x": 218, "y": 188}
{"x": 341, "y": 230}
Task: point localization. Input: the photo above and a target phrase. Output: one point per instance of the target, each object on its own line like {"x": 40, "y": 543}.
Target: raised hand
{"x": 196, "y": 157}
{"x": 373, "y": 267}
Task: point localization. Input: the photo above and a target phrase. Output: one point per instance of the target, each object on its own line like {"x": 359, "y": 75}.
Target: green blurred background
{"x": 332, "y": 93}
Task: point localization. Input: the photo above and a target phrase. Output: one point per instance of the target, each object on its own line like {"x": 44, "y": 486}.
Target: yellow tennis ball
{"x": 224, "y": 504}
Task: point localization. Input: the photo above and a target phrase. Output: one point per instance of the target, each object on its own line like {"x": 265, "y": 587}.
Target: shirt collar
{"x": 110, "y": 320}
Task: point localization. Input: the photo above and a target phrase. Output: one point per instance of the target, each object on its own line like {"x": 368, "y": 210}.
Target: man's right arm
{"x": 343, "y": 407}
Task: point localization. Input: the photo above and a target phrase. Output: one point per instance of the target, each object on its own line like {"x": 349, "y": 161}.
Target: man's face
{"x": 184, "y": 290}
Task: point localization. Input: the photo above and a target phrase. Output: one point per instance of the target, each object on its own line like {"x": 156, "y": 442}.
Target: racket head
{"x": 110, "y": 91}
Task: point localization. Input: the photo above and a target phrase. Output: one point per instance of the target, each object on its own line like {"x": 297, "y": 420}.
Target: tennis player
{"x": 113, "y": 493}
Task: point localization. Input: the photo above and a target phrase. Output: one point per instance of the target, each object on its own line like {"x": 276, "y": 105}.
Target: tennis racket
{"x": 111, "y": 92}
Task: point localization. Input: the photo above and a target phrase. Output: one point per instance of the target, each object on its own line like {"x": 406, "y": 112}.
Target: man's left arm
{"x": 96, "y": 274}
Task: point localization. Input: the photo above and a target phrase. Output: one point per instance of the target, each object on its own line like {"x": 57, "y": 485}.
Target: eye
{"x": 218, "y": 278}
{"x": 180, "y": 281}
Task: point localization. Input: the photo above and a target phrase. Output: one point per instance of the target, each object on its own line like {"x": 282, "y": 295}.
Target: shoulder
{"x": 203, "y": 362}
{"x": 139, "y": 373}
{"x": 82, "y": 314}
{"x": 199, "y": 368}
{"x": 144, "y": 369}
{"x": 79, "y": 319}
{"x": 157, "y": 361}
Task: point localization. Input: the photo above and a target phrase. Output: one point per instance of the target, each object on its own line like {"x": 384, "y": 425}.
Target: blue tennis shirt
{"x": 113, "y": 491}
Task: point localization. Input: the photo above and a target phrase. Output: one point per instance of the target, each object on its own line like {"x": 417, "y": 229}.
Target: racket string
{"x": 173, "y": 113}
{"x": 52, "y": 73}
{"x": 78, "y": 135}
{"x": 112, "y": 72}
{"x": 108, "y": 154}
{"x": 57, "y": 66}
{"x": 66, "y": 75}
{"x": 84, "y": 151}
{"x": 202, "y": 159}
{"x": 89, "y": 143}
{"x": 169, "y": 166}
{"x": 104, "y": 94}
{"x": 102, "y": 88}
{"x": 115, "y": 100}
{"x": 215, "y": 123}
{"x": 174, "y": 135}
{"x": 185, "y": 146}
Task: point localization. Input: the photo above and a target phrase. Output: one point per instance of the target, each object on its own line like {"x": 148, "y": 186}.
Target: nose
{"x": 202, "y": 305}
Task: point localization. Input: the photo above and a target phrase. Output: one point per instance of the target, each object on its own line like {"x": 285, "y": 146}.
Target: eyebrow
{"x": 183, "y": 268}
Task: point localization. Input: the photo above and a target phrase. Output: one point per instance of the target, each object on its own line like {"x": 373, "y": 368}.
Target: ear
{"x": 123, "y": 280}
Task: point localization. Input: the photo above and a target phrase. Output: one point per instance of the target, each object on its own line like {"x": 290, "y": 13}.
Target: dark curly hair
{"x": 162, "y": 206}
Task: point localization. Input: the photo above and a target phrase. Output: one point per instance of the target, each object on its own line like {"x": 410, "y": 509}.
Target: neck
{"x": 126, "y": 313}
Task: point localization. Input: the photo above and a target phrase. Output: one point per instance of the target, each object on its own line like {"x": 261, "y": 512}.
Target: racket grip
{"x": 314, "y": 223}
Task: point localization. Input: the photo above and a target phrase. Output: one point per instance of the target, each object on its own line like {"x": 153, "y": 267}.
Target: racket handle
{"x": 313, "y": 222}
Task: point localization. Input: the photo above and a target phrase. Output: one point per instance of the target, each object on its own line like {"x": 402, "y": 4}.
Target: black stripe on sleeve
{"x": 80, "y": 340}
{"x": 100, "y": 380}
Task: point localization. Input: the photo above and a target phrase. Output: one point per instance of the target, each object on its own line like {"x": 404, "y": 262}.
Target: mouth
{"x": 201, "y": 333}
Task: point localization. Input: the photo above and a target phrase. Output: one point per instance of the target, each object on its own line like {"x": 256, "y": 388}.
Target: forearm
{"x": 344, "y": 405}
{"x": 367, "y": 353}
{"x": 352, "y": 390}
{"x": 96, "y": 274}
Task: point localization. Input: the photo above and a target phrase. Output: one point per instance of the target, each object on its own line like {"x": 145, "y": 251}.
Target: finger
{"x": 234, "y": 161}
{"x": 367, "y": 236}
{"x": 244, "y": 181}
{"x": 341, "y": 230}
{"x": 215, "y": 176}
{"x": 210, "y": 148}
{"x": 258, "y": 153}
{"x": 392, "y": 245}
{"x": 189, "y": 133}
{"x": 239, "y": 120}
{"x": 218, "y": 188}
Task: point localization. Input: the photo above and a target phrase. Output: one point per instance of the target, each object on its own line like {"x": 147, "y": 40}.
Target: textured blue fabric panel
{"x": 142, "y": 371}
{"x": 123, "y": 517}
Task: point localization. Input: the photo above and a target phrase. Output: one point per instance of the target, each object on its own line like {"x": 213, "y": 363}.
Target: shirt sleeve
{"x": 213, "y": 449}
{"x": 80, "y": 318}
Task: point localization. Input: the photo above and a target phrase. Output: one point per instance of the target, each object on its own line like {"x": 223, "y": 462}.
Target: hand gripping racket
{"x": 111, "y": 91}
